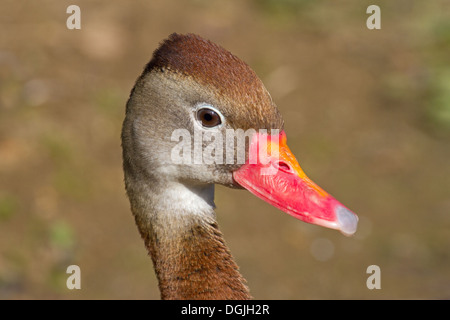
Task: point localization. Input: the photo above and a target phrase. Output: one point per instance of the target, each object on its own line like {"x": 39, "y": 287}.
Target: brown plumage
{"x": 189, "y": 253}
{"x": 218, "y": 70}
{"x": 173, "y": 202}
{"x": 197, "y": 265}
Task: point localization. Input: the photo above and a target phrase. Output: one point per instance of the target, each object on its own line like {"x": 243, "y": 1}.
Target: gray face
{"x": 162, "y": 124}
{"x": 187, "y": 73}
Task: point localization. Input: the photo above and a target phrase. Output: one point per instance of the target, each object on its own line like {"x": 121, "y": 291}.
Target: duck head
{"x": 198, "y": 115}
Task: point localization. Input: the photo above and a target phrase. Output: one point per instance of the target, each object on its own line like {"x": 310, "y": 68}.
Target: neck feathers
{"x": 189, "y": 254}
{"x": 197, "y": 265}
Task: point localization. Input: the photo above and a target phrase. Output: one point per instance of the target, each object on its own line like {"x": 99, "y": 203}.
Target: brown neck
{"x": 196, "y": 265}
{"x": 189, "y": 254}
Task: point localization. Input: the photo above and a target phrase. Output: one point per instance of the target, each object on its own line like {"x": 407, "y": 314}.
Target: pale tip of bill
{"x": 347, "y": 220}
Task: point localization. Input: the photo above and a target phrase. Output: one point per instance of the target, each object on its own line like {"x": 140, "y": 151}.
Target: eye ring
{"x": 208, "y": 117}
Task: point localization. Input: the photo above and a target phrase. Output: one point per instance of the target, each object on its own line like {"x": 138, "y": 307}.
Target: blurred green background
{"x": 367, "y": 114}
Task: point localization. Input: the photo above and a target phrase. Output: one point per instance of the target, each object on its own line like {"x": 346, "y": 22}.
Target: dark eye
{"x": 209, "y": 118}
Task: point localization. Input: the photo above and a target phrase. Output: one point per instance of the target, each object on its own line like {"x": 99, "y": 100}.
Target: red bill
{"x": 273, "y": 174}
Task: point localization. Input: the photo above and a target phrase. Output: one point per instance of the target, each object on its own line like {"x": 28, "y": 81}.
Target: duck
{"x": 189, "y": 100}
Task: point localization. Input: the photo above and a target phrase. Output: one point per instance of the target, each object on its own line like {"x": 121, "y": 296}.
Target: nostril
{"x": 283, "y": 166}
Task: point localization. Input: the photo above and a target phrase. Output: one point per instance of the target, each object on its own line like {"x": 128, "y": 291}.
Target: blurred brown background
{"x": 367, "y": 114}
